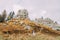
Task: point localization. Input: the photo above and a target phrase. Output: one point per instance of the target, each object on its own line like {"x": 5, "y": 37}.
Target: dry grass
{"x": 28, "y": 36}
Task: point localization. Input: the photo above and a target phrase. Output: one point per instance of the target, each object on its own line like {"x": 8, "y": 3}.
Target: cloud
{"x": 43, "y": 13}
{"x": 36, "y": 8}
{"x": 16, "y": 7}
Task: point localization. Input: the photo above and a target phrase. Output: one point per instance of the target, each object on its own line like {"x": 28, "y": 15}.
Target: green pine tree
{"x": 3, "y": 16}
{"x": 10, "y": 15}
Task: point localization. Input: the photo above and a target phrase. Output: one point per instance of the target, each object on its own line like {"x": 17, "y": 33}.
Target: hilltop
{"x": 20, "y": 25}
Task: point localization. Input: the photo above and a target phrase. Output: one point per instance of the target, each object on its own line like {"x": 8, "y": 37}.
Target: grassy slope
{"x": 38, "y": 36}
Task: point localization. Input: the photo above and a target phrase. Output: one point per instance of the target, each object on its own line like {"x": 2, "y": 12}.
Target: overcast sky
{"x": 36, "y": 8}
